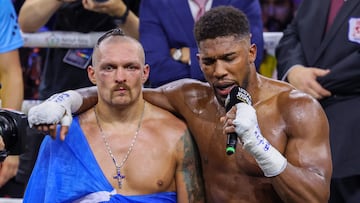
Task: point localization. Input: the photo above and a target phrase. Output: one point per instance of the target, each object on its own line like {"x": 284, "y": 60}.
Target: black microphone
{"x": 236, "y": 95}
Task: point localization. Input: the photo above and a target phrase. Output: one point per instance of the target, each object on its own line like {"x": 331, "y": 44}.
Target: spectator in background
{"x": 166, "y": 32}
{"x": 60, "y": 71}
{"x": 12, "y": 89}
{"x": 276, "y": 15}
{"x": 297, "y": 4}
{"x": 319, "y": 54}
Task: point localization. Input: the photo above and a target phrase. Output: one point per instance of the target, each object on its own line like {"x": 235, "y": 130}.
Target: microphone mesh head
{"x": 236, "y": 95}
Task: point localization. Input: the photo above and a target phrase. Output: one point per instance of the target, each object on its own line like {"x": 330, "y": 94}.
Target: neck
{"x": 121, "y": 113}
{"x": 254, "y": 86}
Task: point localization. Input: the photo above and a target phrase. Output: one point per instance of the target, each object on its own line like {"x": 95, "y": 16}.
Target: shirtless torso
{"x": 143, "y": 152}
{"x": 158, "y": 157}
{"x": 281, "y": 113}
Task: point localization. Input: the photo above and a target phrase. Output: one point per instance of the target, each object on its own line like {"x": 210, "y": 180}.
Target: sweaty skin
{"x": 293, "y": 122}
{"x": 238, "y": 178}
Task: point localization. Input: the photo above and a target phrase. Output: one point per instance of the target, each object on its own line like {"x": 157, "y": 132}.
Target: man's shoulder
{"x": 187, "y": 86}
{"x": 185, "y": 82}
{"x": 297, "y": 108}
{"x": 286, "y": 97}
{"x": 164, "y": 122}
{"x": 294, "y": 97}
{"x": 291, "y": 111}
{"x": 160, "y": 115}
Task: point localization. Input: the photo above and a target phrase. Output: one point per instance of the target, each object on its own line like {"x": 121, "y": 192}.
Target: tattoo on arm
{"x": 192, "y": 169}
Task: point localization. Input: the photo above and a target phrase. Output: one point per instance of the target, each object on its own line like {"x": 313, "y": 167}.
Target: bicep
{"x": 308, "y": 139}
{"x": 307, "y": 151}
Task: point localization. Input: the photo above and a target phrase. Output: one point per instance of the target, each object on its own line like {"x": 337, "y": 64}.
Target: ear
{"x": 146, "y": 72}
{"x": 91, "y": 74}
{"x": 199, "y": 61}
{"x": 252, "y": 53}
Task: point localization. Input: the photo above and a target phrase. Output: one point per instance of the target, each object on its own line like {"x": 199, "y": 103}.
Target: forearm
{"x": 12, "y": 90}
{"x": 36, "y": 13}
{"x": 298, "y": 185}
{"x": 11, "y": 79}
{"x": 131, "y": 25}
{"x": 90, "y": 98}
{"x": 120, "y": 10}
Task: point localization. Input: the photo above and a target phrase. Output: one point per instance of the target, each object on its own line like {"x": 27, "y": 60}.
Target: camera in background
{"x": 13, "y": 126}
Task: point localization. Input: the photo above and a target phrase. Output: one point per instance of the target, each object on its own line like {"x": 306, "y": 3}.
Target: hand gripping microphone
{"x": 236, "y": 95}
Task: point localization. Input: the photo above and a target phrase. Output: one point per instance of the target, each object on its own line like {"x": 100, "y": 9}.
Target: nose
{"x": 219, "y": 69}
{"x": 120, "y": 76}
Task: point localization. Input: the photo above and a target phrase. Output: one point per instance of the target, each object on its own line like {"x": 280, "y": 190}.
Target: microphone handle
{"x": 231, "y": 143}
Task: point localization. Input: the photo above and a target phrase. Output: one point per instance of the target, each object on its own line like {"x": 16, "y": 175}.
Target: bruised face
{"x": 226, "y": 62}
{"x": 118, "y": 70}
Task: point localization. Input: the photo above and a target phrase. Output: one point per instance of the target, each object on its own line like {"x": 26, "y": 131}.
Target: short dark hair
{"x": 221, "y": 21}
{"x": 112, "y": 32}
{"x": 117, "y": 32}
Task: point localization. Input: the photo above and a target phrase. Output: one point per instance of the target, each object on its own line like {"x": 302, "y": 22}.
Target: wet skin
{"x": 282, "y": 113}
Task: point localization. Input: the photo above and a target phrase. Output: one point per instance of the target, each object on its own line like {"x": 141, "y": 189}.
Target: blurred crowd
{"x": 276, "y": 14}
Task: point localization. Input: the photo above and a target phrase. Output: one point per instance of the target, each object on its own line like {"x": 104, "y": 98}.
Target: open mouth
{"x": 224, "y": 89}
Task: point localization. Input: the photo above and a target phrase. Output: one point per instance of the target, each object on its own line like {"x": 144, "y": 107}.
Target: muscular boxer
{"x": 283, "y": 154}
{"x": 122, "y": 150}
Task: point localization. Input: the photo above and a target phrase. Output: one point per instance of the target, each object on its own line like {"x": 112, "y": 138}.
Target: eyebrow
{"x": 223, "y": 56}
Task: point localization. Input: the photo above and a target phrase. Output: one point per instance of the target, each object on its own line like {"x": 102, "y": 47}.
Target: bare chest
{"x": 138, "y": 166}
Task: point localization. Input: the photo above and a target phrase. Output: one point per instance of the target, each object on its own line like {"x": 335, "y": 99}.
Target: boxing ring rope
{"x": 65, "y": 39}
{"x": 60, "y": 39}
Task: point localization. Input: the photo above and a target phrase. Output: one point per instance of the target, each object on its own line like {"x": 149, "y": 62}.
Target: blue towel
{"x": 66, "y": 171}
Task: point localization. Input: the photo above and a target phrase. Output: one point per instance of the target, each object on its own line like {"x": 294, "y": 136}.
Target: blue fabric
{"x": 67, "y": 170}
{"x": 164, "y": 197}
{"x": 10, "y": 36}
